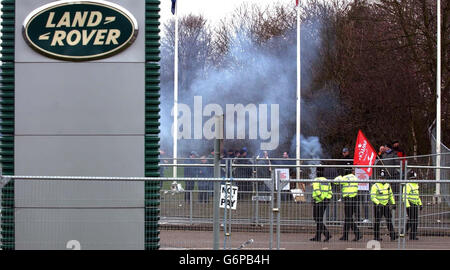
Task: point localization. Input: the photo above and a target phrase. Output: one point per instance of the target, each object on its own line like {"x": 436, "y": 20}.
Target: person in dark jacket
{"x": 390, "y": 158}
{"x": 205, "y": 187}
{"x": 397, "y": 149}
{"x": 346, "y": 160}
{"x": 288, "y": 162}
{"x": 286, "y": 196}
{"x": 190, "y": 172}
{"x": 244, "y": 187}
{"x": 400, "y": 153}
{"x": 264, "y": 171}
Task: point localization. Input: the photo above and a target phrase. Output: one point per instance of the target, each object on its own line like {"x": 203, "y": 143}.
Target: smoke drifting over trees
{"x": 368, "y": 65}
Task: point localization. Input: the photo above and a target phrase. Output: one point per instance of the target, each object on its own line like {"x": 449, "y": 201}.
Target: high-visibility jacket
{"x": 382, "y": 194}
{"x": 321, "y": 189}
{"x": 412, "y": 194}
{"x": 349, "y": 189}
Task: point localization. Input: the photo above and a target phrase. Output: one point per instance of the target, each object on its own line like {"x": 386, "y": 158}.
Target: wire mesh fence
{"x": 252, "y": 221}
{"x": 444, "y": 161}
{"x": 259, "y": 219}
{"x": 271, "y": 212}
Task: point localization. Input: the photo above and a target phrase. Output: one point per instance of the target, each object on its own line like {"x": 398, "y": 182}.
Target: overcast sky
{"x": 213, "y": 10}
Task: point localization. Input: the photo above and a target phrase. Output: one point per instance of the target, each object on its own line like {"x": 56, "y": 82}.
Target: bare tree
{"x": 367, "y": 65}
{"x": 195, "y": 49}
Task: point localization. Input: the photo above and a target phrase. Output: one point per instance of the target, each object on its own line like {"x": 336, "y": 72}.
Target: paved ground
{"x": 185, "y": 239}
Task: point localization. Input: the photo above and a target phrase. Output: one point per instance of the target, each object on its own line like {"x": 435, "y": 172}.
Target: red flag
{"x": 296, "y": 3}
{"x": 364, "y": 153}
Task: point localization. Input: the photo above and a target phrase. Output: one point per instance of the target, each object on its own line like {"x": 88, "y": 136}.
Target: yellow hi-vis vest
{"x": 382, "y": 194}
{"x": 321, "y": 190}
{"x": 412, "y": 194}
{"x": 349, "y": 189}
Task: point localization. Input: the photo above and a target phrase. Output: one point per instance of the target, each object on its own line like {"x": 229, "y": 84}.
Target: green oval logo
{"x": 80, "y": 30}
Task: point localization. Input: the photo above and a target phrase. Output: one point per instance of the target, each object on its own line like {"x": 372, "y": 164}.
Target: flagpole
{"x": 438, "y": 103}
{"x": 175, "y": 97}
{"x": 298, "y": 94}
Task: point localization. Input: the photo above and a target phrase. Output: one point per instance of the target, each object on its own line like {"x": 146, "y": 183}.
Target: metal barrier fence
{"x": 275, "y": 220}
{"x": 444, "y": 160}
{"x": 259, "y": 210}
{"x": 266, "y": 216}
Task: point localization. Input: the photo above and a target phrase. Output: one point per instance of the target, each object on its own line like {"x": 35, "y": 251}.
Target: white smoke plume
{"x": 256, "y": 74}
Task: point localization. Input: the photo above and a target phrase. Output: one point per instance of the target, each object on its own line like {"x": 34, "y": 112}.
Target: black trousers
{"x": 349, "y": 211}
{"x": 413, "y": 220}
{"x": 318, "y": 212}
{"x": 381, "y": 211}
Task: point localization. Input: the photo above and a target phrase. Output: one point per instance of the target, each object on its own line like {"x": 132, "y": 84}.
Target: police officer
{"x": 349, "y": 192}
{"x": 413, "y": 203}
{"x": 381, "y": 195}
{"x": 321, "y": 195}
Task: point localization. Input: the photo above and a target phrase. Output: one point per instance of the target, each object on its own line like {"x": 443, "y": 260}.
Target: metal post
{"x": 175, "y": 97}
{"x": 191, "y": 206}
{"x": 402, "y": 208}
{"x": 230, "y": 197}
{"x": 271, "y": 213}
{"x": 278, "y": 210}
{"x": 231, "y": 211}
{"x": 404, "y": 204}
{"x": 398, "y": 198}
{"x": 225, "y": 217}
{"x": 299, "y": 96}
{"x": 217, "y": 150}
{"x": 226, "y": 208}
{"x": 255, "y": 188}
{"x": 400, "y": 226}
{"x": 438, "y": 104}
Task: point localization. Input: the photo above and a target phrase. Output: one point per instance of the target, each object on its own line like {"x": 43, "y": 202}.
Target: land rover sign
{"x": 80, "y": 30}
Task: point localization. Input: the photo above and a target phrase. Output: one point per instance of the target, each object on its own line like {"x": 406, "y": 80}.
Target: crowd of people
{"x": 382, "y": 195}
{"x": 233, "y": 157}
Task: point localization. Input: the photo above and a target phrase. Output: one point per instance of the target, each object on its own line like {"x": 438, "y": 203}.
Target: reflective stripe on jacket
{"x": 382, "y": 194}
{"x": 412, "y": 194}
{"x": 321, "y": 189}
{"x": 349, "y": 189}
